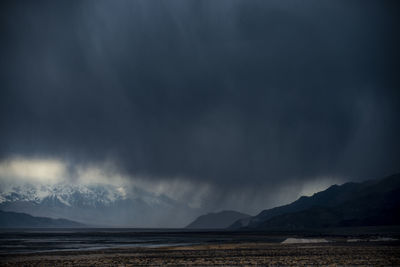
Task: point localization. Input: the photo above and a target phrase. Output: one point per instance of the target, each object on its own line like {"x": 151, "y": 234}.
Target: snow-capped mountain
{"x": 95, "y": 204}
{"x": 69, "y": 195}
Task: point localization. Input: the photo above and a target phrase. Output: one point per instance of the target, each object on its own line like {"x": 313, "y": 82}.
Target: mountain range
{"x": 370, "y": 203}
{"x": 95, "y": 204}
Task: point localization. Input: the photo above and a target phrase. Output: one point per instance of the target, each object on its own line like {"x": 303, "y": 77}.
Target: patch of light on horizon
{"x": 317, "y": 185}
{"x": 293, "y": 191}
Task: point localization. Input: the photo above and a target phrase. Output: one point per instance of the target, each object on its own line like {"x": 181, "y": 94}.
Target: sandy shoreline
{"x": 339, "y": 253}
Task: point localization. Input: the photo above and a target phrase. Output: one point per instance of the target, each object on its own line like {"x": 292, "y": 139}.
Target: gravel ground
{"x": 323, "y": 254}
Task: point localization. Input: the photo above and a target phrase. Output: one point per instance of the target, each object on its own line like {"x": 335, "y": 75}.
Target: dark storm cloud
{"x": 227, "y": 92}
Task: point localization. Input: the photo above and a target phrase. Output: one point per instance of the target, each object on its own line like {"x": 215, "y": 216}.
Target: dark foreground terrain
{"x": 371, "y": 246}
{"x": 333, "y": 253}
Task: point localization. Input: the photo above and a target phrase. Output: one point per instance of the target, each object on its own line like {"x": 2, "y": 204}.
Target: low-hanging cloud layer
{"x": 252, "y": 102}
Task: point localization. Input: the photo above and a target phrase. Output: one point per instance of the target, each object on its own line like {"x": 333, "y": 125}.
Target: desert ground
{"x": 272, "y": 254}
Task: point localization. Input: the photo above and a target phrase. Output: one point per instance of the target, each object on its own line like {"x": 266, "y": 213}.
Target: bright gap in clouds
{"x": 51, "y": 171}
{"x": 33, "y": 170}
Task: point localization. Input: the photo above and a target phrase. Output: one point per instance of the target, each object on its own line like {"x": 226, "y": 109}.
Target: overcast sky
{"x": 254, "y": 101}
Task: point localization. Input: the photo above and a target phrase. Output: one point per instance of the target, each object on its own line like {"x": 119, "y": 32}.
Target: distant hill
{"x": 371, "y": 203}
{"x": 217, "y": 220}
{"x": 21, "y": 220}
